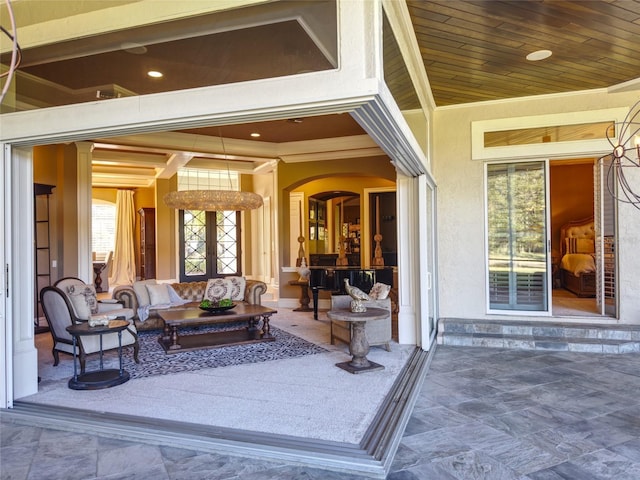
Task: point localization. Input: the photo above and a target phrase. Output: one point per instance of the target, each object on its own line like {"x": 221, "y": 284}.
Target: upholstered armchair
{"x": 60, "y": 314}
{"x": 378, "y": 332}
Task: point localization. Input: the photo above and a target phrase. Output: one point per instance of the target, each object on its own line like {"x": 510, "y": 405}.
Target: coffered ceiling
{"x": 472, "y": 50}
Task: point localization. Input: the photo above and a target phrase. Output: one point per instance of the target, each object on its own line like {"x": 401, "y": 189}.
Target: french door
{"x": 209, "y": 244}
{"x": 517, "y": 237}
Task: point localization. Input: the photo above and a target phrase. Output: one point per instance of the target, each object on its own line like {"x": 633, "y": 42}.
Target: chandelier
{"x": 626, "y": 153}
{"x": 212, "y": 200}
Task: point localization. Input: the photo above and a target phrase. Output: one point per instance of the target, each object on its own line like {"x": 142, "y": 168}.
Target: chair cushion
{"x": 83, "y": 299}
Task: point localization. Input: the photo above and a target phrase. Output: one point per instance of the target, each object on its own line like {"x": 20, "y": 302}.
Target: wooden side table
{"x": 101, "y": 378}
{"x": 359, "y": 346}
{"x": 304, "y": 295}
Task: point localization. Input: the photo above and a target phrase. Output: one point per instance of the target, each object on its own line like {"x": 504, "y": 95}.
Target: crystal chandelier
{"x": 212, "y": 200}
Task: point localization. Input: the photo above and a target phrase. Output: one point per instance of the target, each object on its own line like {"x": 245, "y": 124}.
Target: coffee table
{"x": 243, "y": 313}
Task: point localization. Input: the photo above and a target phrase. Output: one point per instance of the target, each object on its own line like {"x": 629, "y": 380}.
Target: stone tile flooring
{"x": 483, "y": 413}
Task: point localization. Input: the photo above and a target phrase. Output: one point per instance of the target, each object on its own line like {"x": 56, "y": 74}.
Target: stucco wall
{"x": 461, "y": 235}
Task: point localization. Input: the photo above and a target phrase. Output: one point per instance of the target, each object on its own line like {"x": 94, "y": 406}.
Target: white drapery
{"x": 123, "y": 271}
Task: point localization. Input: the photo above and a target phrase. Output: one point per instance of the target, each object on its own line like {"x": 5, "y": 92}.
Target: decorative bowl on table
{"x": 214, "y": 307}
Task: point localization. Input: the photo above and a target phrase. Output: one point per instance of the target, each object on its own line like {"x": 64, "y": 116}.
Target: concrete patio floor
{"x": 481, "y": 414}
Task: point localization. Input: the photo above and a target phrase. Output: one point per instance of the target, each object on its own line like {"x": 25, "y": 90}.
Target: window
{"x": 103, "y": 228}
{"x": 209, "y": 241}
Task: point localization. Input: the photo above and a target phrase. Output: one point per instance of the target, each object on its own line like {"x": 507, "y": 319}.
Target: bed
{"x": 577, "y": 264}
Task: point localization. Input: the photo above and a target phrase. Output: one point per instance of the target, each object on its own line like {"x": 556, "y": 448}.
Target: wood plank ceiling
{"x": 475, "y": 50}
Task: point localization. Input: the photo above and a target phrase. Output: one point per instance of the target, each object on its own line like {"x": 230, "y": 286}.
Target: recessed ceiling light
{"x": 155, "y": 74}
{"x": 539, "y": 55}
{"x": 255, "y": 134}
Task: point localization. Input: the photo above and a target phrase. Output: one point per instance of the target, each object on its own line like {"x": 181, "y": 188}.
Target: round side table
{"x": 101, "y": 378}
{"x": 359, "y": 346}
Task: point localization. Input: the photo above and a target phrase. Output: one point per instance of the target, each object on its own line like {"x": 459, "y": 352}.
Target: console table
{"x": 304, "y": 295}
{"x": 359, "y": 346}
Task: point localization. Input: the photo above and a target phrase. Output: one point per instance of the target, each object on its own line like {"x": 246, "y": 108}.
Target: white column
{"x": 84, "y": 157}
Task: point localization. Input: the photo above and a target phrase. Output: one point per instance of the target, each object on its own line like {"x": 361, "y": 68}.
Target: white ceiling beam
{"x": 120, "y": 181}
{"x": 175, "y": 162}
{"x": 129, "y": 158}
{"x": 116, "y": 18}
{"x": 333, "y": 155}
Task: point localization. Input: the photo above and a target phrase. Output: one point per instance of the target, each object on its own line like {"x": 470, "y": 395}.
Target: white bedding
{"x": 578, "y": 263}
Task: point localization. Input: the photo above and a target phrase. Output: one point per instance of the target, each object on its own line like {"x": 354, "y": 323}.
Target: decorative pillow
{"x": 83, "y": 299}
{"x": 580, "y": 245}
{"x": 217, "y": 288}
{"x": 379, "y": 291}
{"x": 158, "y": 294}
{"x": 238, "y": 285}
{"x": 142, "y": 293}
{"x": 585, "y": 245}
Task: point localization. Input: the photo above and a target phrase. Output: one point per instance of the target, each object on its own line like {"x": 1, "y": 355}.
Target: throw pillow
{"x": 83, "y": 299}
{"x": 379, "y": 291}
{"x": 158, "y": 294}
{"x": 217, "y": 288}
{"x": 585, "y": 245}
{"x": 238, "y": 286}
{"x": 142, "y": 293}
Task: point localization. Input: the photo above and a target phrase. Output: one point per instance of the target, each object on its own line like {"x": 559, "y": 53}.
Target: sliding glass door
{"x": 517, "y": 237}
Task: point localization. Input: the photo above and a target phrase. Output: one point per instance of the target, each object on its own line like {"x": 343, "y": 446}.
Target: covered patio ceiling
{"x": 471, "y": 51}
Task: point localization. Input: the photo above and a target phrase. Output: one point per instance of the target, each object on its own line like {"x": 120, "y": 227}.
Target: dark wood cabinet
{"x": 147, "y": 243}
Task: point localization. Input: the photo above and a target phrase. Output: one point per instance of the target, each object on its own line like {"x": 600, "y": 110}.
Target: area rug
{"x": 154, "y": 360}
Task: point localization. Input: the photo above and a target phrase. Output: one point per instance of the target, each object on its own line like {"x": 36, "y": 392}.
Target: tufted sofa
{"x": 191, "y": 291}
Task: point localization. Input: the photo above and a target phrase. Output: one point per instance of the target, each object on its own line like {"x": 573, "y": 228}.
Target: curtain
{"x": 123, "y": 270}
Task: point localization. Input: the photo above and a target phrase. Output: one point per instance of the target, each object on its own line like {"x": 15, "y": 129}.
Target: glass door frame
{"x": 547, "y": 247}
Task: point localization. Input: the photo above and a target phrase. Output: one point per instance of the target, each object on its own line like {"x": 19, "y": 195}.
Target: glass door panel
{"x": 605, "y": 223}
{"x": 517, "y": 236}
{"x": 429, "y": 329}
{"x": 209, "y": 244}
